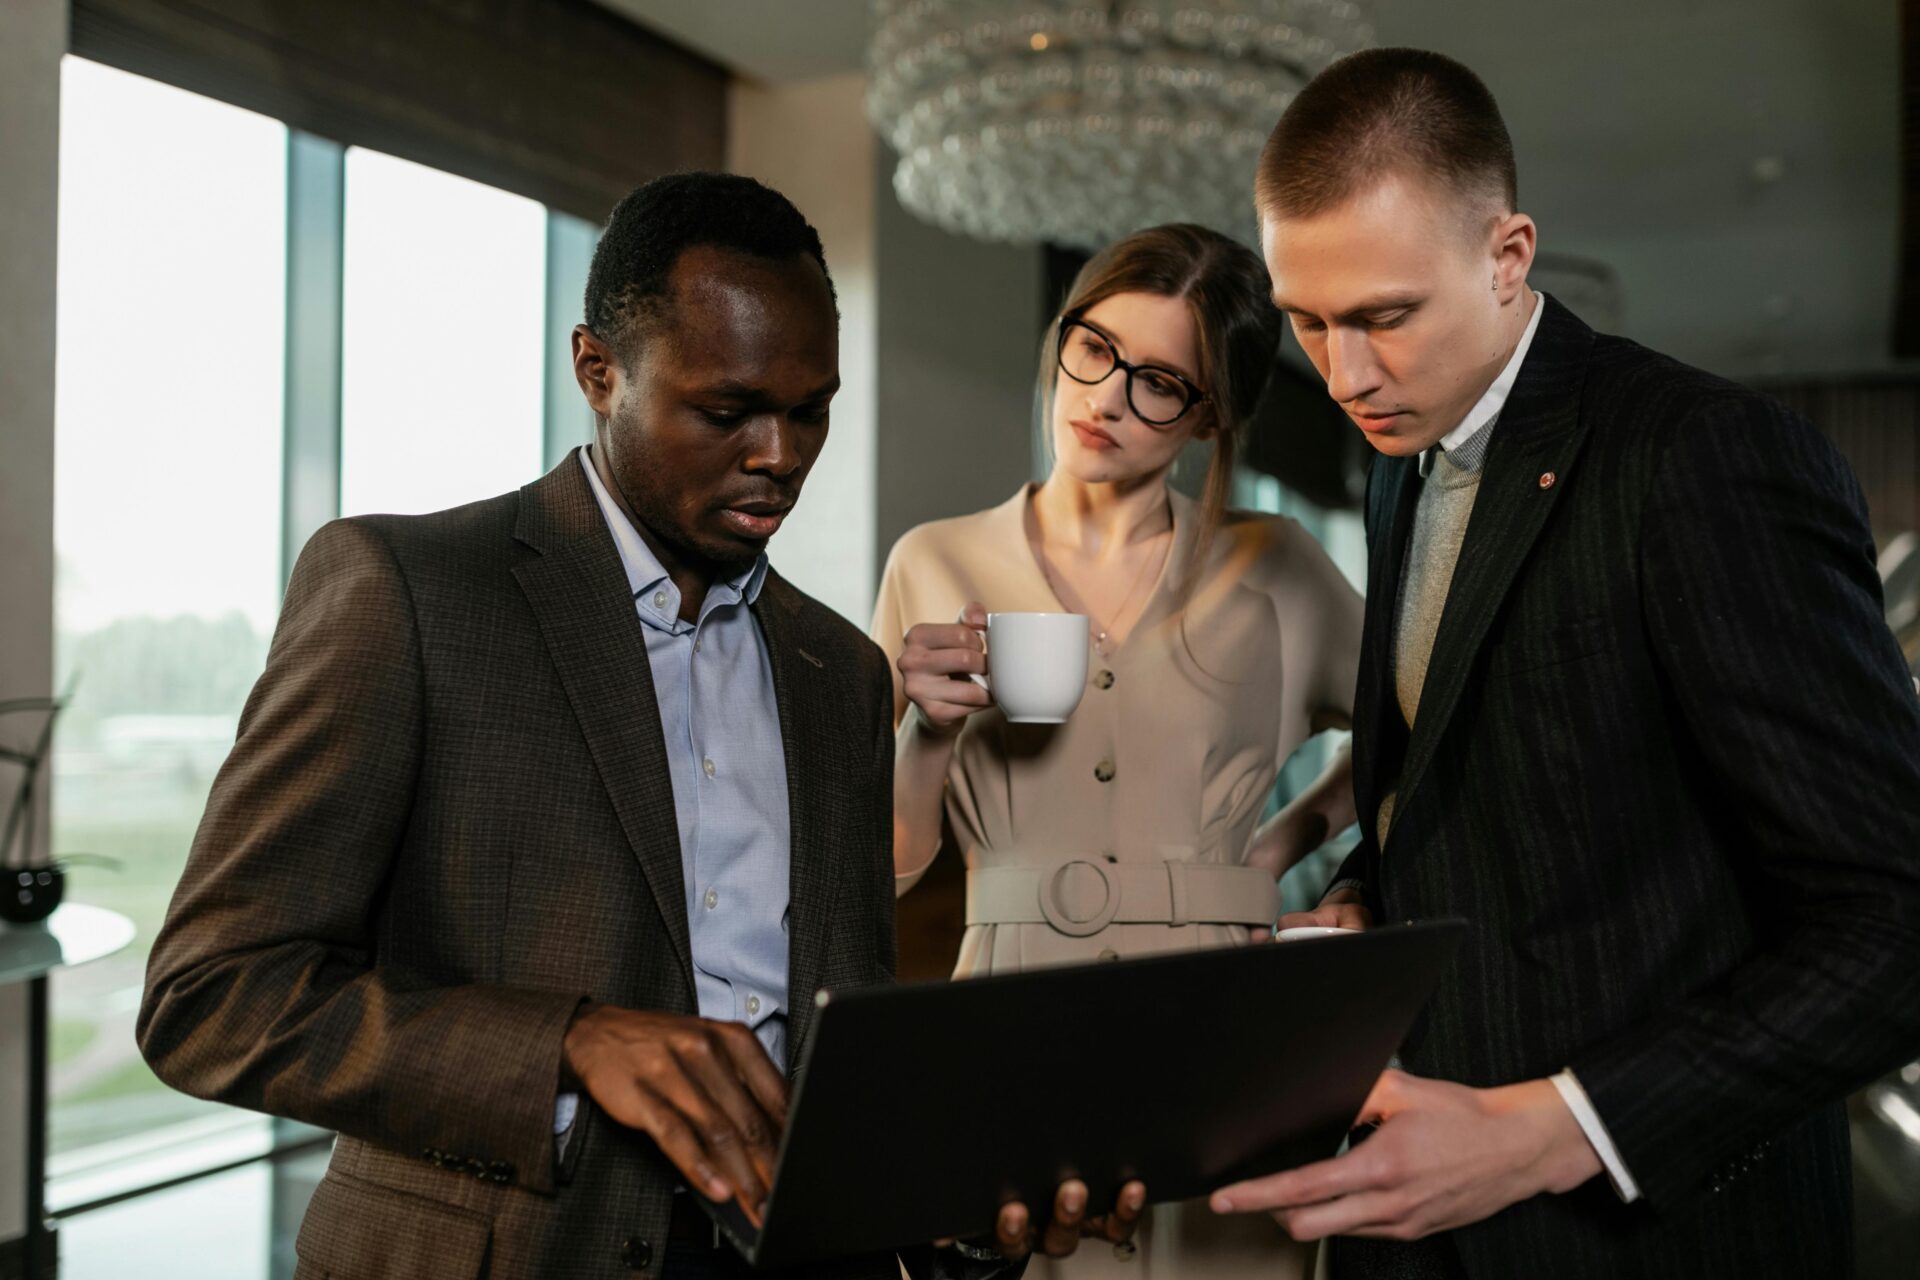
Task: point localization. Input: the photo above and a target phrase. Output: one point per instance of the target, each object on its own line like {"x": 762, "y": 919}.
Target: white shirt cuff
{"x": 1589, "y": 1120}
{"x": 564, "y": 1107}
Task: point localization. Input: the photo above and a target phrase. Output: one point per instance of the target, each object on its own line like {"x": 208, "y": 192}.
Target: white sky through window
{"x": 171, "y": 334}
{"x": 444, "y": 310}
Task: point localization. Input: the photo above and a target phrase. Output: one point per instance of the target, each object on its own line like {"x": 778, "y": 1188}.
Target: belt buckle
{"x": 1055, "y": 912}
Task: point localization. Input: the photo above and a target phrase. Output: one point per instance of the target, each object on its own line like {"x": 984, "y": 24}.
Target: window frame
{"x": 312, "y": 426}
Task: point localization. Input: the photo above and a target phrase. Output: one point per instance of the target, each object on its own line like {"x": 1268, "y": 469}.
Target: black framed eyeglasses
{"x": 1158, "y": 397}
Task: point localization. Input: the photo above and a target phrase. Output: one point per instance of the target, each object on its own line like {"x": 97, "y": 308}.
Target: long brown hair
{"x": 1225, "y": 285}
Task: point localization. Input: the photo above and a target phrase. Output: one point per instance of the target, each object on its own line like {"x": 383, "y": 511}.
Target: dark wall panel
{"x": 559, "y": 100}
{"x": 1877, "y": 425}
{"x": 1906, "y": 318}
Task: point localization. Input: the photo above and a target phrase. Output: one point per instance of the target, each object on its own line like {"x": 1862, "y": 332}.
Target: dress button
{"x": 753, "y": 1006}
{"x": 1104, "y": 680}
{"x": 707, "y": 765}
{"x": 636, "y": 1253}
{"x": 1104, "y": 771}
{"x": 659, "y": 599}
{"x": 713, "y": 899}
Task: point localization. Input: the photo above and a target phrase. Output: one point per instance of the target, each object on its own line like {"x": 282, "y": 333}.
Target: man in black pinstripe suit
{"x": 1626, "y": 702}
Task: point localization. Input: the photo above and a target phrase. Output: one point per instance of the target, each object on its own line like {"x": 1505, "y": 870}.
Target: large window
{"x": 445, "y": 284}
{"x": 168, "y": 425}
{"x": 434, "y": 375}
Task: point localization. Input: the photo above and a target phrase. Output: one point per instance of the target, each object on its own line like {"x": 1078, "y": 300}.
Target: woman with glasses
{"x": 1219, "y": 642}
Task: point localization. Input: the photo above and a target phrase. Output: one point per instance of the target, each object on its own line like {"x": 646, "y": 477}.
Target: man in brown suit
{"x": 550, "y": 813}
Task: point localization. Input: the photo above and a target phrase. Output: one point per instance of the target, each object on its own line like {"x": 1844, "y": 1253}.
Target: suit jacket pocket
{"x": 1525, "y": 648}
{"x": 357, "y": 1231}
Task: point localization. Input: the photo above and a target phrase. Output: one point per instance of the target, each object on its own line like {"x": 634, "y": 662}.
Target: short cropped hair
{"x": 1380, "y": 113}
{"x": 656, "y": 223}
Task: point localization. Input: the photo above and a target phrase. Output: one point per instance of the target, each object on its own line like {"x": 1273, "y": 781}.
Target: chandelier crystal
{"x": 1075, "y": 122}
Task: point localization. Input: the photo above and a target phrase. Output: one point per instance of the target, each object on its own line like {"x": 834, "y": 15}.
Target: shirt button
{"x": 1104, "y": 680}
{"x": 753, "y": 1006}
{"x": 659, "y": 599}
{"x": 707, "y": 764}
{"x": 713, "y": 899}
{"x": 1104, "y": 771}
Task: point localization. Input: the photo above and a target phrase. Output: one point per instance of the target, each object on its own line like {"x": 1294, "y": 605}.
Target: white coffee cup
{"x": 1036, "y": 665}
{"x": 1303, "y": 932}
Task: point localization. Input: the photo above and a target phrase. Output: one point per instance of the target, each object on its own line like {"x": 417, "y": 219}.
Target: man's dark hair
{"x": 1384, "y": 112}
{"x": 657, "y": 222}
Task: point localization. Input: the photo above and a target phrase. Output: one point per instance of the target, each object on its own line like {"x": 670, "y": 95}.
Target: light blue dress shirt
{"x": 714, "y": 684}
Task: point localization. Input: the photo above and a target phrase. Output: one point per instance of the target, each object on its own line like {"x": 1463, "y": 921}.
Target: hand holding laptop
{"x": 1014, "y": 1238}
{"x": 1340, "y": 909}
{"x": 704, "y": 1091}
{"x": 709, "y": 1096}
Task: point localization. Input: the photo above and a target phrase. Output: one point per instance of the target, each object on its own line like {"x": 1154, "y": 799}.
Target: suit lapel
{"x": 579, "y": 595}
{"x": 801, "y": 689}
{"x": 1539, "y": 434}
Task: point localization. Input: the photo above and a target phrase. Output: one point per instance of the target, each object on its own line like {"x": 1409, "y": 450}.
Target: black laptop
{"x": 921, "y": 1109}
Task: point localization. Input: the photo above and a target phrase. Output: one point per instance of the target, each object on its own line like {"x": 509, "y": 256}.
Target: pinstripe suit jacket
{"x": 446, "y": 821}
{"x": 1667, "y": 760}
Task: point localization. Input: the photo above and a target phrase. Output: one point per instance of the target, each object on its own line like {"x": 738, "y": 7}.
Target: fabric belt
{"x": 1081, "y": 896}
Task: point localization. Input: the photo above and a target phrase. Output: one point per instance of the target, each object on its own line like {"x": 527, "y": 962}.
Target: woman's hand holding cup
{"x": 938, "y": 664}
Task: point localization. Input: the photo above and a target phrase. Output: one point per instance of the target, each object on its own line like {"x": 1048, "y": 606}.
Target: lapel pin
{"x": 1546, "y": 479}
{"x": 810, "y": 658}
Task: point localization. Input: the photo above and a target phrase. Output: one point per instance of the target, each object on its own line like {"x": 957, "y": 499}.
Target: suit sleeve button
{"x": 636, "y": 1253}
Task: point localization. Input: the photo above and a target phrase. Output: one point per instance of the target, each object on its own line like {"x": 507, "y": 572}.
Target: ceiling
{"x": 777, "y": 40}
{"x": 1735, "y": 162}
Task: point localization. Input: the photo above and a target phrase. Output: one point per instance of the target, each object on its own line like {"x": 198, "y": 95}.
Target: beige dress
{"x": 1169, "y": 759}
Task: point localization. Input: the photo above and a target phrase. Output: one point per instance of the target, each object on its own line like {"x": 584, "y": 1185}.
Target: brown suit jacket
{"x": 446, "y": 822}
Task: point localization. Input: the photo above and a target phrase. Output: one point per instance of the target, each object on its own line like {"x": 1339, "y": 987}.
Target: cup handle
{"x": 982, "y": 681}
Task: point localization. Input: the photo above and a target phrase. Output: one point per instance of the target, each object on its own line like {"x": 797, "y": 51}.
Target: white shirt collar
{"x": 1486, "y": 410}
{"x": 644, "y": 570}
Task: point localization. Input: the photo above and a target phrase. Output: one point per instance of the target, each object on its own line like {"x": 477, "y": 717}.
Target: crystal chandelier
{"x": 1077, "y": 121}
